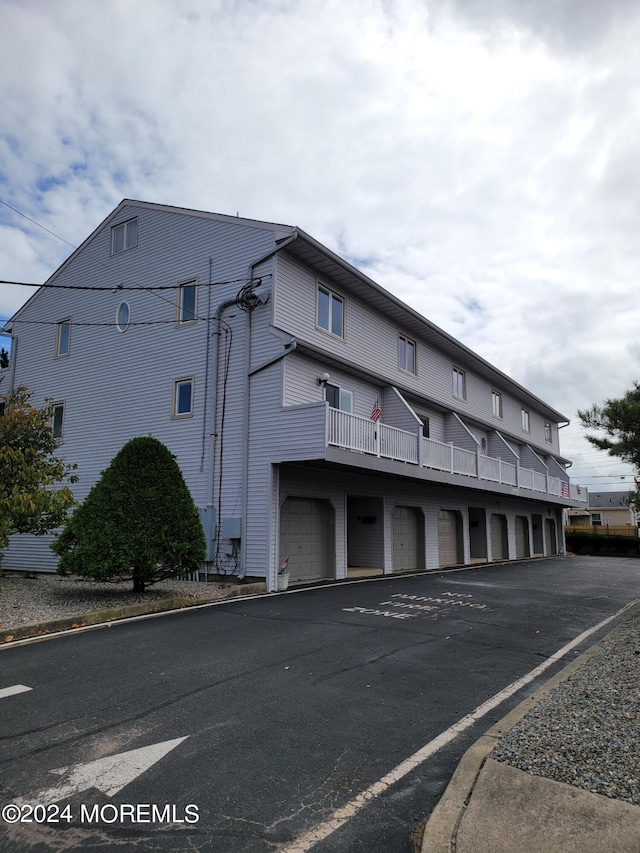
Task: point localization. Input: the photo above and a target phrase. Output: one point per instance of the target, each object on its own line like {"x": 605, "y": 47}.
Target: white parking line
{"x": 341, "y": 816}
{"x": 11, "y": 691}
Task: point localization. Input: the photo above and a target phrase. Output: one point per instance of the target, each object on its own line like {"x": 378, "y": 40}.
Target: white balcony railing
{"x": 361, "y": 435}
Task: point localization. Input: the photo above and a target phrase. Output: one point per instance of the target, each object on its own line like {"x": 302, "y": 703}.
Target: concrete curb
{"x": 441, "y": 829}
{"x": 127, "y": 611}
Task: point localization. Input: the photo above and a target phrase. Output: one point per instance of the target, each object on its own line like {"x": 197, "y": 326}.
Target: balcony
{"x": 361, "y": 435}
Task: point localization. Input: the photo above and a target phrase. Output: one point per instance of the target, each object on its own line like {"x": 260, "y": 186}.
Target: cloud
{"x": 479, "y": 158}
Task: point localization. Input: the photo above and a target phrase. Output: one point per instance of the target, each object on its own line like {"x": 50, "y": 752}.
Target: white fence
{"x": 362, "y": 435}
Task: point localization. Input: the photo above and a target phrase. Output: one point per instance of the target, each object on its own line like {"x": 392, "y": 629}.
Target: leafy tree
{"x": 138, "y": 522}
{"x": 619, "y": 420}
{"x": 29, "y": 473}
{"x": 4, "y": 358}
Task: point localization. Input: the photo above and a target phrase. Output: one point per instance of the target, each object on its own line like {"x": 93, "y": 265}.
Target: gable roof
{"x": 609, "y": 500}
{"x": 312, "y": 253}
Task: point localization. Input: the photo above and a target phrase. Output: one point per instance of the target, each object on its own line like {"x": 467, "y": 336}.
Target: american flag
{"x": 565, "y": 489}
{"x": 376, "y": 414}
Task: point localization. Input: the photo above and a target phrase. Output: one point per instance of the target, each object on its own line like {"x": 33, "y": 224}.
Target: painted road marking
{"x": 404, "y": 606}
{"x": 11, "y": 691}
{"x": 341, "y": 816}
{"x": 109, "y": 775}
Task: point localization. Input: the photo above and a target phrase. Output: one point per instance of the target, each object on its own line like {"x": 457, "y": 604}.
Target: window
{"x": 183, "y": 398}
{"x": 339, "y": 398}
{"x": 124, "y": 236}
{"x": 547, "y": 431}
{"x": 123, "y": 317}
{"x": 525, "y": 421}
{"x": 330, "y": 312}
{"x": 63, "y": 337}
{"x": 459, "y": 384}
{"x": 187, "y": 300}
{"x": 596, "y": 519}
{"x": 496, "y": 404}
{"x": 57, "y": 421}
{"x": 425, "y": 426}
{"x": 406, "y": 354}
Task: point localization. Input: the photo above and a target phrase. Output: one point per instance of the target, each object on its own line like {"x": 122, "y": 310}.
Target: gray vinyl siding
{"x": 119, "y": 385}
{"x": 436, "y": 421}
{"x": 301, "y": 384}
{"x": 458, "y": 433}
{"x": 397, "y": 412}
{"x": 276, "y": 434}
{"x": 501, "y": 449}
{"x": 530, "y": 459}
{"x": 371, "y": 340}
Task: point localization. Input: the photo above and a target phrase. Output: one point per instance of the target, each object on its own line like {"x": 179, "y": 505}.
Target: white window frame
{"x": 459, "y": 383}
{"x": 406, "y": 345}
{"x": 122, "y": 327}
{"x": 66, "y": 324}
{"x": 182, "y": 286}
{"x": 548, "y": 434}
{"x": 338, "y": 298}
{"x": 526, "y": 420}
{"x": 183, "y": 380}
{"x": 58, "y": 407}
{"x": 129, "y": 233}
{"x": 496, "y": 404}
{"x": 345, "y": 398}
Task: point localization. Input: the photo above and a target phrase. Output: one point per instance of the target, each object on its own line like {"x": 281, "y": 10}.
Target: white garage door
{"x": 305, "y": 538}
{"x": 450, "y": 538}
{"x": 405, "y": 539}
{"x": 499, "y": 541}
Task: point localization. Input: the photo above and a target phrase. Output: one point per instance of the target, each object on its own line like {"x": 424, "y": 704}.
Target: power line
{"x": 118, "y": 287}
{"x": 151, "y": 288}
{"x": 24, "y": 215}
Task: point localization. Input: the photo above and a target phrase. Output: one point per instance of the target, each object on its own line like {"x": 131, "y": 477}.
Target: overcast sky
{"x": 478, "y": 158}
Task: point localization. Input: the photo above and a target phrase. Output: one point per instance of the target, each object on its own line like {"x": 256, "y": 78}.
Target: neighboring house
{"x": 314, "y": 415}
{"x": 605, "y": 509}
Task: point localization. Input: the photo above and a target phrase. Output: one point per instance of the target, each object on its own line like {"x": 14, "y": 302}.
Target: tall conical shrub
{"x": 138, "y": 522}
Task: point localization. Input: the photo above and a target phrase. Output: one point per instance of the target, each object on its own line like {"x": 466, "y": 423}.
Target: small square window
{"x": 63, "y": 337}
{"x": 496, "y": 404}
{"x": 57, "y": 421}
{"x": 124, "y": 236}
{"x": 330, "y": 312}
{"x": 406, "y": 354}
{"x": 183, "y": 398}
{"x": 187, "y": 302}
{"x": 459, "y": 384}
{"x": 525, "y": 421}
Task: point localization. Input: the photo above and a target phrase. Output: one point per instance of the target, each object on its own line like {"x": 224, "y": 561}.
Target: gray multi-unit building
{"x": 315, "y": 417}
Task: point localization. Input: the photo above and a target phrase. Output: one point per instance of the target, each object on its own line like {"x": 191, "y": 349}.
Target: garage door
{"x": 450, "y": 538}
{"x": 499, "y": 540}
{"x": 405, "y": 539}
{"x": 522, "y": 536}
{"x": 305, "y": 539}
{"x": 551, "y": 540}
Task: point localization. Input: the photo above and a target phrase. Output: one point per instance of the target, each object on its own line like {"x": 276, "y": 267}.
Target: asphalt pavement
{"x": 284, "y": 711}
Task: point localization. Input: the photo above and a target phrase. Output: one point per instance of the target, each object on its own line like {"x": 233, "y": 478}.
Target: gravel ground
{"x": 587, "y": 731}
{"x": 37, "y": 598}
